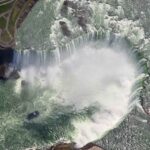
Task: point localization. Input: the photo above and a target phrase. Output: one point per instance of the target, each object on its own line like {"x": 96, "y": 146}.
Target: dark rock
{"x": 72, "y": 146}
{"x": 24, "y": 83}
{"x": 6, "y": 55}
{"x": 65, "y": 3}
{"x": 80, "y": 12}
{"x": 82, "y": 22}
{"x": 64, "y": 28}
{"x": 71, "y": 4}
{"x": 64, "y": 9}
{"x": 62, "y": 146}
{"x": 4, "y": 75}
{"x": 3, "y": 69}
{"x": 33, "y": 115}
{"x": 14, "y": 75}
{"x": 3, "y": 79}
{"x": 91, "y": 146}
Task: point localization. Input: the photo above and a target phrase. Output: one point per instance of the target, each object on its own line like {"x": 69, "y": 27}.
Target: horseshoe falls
{"x": 84, "y": 67}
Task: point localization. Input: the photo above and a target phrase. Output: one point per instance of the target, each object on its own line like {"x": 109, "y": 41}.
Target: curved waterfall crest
{"x": 52, "y": 57}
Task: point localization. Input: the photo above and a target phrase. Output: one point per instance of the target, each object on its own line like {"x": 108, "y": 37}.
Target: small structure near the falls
{"x": 33, "y": 115}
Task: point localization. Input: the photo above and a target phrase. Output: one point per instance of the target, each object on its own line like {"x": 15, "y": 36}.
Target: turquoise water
{"x": 53, "y": 123}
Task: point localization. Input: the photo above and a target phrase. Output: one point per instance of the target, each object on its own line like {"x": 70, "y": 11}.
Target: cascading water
{"x": 82, "y": 85}
{"x": 90, "y": 79}
{"x": 84, "y": 81}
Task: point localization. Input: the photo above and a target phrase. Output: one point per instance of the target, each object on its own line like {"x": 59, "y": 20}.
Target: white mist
{"x": 100, "y": 76}
{"x": 91, "y": 76}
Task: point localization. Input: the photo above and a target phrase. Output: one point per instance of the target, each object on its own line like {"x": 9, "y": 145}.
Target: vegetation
{"x": 5, "y": 8}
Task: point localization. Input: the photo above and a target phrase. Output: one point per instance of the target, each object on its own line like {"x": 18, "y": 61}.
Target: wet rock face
{"x": 3, "y": 69}
{"x": 64, "y": 28}
{"x": 6, "y": 55}
{"x": 6, "y": 58}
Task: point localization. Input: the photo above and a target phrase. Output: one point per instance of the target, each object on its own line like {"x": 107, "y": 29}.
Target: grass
{"x": 5, "y": 8}
{"x": 5, "y": 36}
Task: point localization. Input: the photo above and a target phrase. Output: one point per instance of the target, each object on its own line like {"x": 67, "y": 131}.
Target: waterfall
{"x": 84, "y": 84}
{"x": 45, "y": 58}
{"x": 42, "y": 57}
{"x": 64, "y": 68}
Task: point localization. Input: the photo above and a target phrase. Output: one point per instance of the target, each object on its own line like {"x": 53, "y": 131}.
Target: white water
{"x": 111, "y": 94}
{"x": 91, "y": 76}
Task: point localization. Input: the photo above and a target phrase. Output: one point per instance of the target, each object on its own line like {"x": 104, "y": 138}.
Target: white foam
{"x": 97, "y": 76}
{"x": 101, "y": 76}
